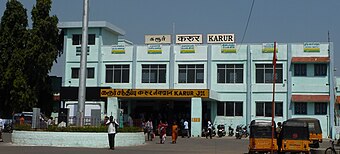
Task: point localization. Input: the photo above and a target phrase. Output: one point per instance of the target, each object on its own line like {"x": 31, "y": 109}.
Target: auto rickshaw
{"x": 315, "y": 132}
{"x": 295, "y": 137}
{"x": 261, "y": 136}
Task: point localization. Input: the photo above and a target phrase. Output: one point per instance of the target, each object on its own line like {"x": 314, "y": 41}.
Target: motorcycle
{"x": 208, "y": 131}
{"x": 241, "y": 132}
{"x": 230, "y": 131}
{"x": 221, "y": 130}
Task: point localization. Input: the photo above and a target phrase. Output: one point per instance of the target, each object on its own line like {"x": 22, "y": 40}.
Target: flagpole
{"x": 273, "y": 102}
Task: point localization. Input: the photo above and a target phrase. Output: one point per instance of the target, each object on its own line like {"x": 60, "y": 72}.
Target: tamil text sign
{"x": 157, "y": 39}
{"x": 311, "y": 47}
{"x": 155, "y": 93}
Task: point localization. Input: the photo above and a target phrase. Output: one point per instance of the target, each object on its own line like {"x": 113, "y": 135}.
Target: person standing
{"x": 278, "y": 135}
{"x": 22, "y": 119}
{"x": 112, "y": 130}
{"x": 209, "y": 130}
{"x": 162, "y": 131}
{"x": 149, "y": 129}
{"x": 2, "y": 127}
{"x": 186, "y": 129}
{"x": 174, "y": 132}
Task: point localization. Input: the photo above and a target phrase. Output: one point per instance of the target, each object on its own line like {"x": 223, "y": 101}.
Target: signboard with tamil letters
{"x": 228, "y": 48}
{"x": 311, "y": 47}
{"x": 157, "y": 39}
{"x": 220, "y": 38}
{"x": 187, "y": 48}
{"x": 118, "y": 49}
{"x": 269, "y": 48}
{"x": 154, "y": 49}
{"x": 155, "y": 93}
{"x": 189, "y": 39}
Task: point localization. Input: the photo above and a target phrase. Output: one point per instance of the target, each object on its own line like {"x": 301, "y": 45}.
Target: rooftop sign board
{"x": 311, "y": 47}
{"x": 157, "y": 39}
{"x": 220, "y": 38}
{"x": 189, "y": 39}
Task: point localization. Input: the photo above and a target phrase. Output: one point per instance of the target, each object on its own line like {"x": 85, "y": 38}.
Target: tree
{"x": 14, "y": 91}
{"x": 43, "y": 45}
{"x": 27, "y": 56}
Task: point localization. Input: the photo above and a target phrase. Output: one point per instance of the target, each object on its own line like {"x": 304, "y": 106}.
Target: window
{"x": 300, "y": 70}
{"x": 76, "y": 71}
{"x": 91, "y": 39}
{"x": 78, "y": 51}
{"x": 320, "y": 108}
{"x": 320, "y": 69}
{"x": 300, "y": 108}
{"x": 264, "y": 73}
{"x": 265, "y": 109}
{"x": 76, "y": 39}
{"x": 229, "y": 73}
{"x": 117, "y": 73}
{"x": 191, "y": 73}
{"x": 153, "y": 73}
{"x": 230, "y": 108}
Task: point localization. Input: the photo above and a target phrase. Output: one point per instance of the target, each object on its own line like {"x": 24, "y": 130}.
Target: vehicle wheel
{"x": 329, "y": 150}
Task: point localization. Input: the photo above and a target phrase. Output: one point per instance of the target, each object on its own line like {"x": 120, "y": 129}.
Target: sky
{"x": 284, "y": 21}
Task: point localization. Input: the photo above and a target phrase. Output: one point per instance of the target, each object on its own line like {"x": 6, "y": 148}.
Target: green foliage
{"x": 13, "y": 42}
{"x": 98, "y": 129}
{"x": 27, "y": 56}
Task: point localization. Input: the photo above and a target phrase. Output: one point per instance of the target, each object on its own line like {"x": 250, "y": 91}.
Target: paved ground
{"x": 184, "y": 146}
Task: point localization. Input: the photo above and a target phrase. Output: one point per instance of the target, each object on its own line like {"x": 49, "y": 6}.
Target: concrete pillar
{"x": 196, "y": 117}
{"x": 112, "y": 107}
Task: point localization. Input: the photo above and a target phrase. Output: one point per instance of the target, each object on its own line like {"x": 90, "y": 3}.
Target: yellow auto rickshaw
{"x": 294, "y": 137}
{"x": 260, "y": 137}
{"x": 315, "y": 132}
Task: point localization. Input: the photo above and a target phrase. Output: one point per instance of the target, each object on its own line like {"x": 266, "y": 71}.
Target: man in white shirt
{"x": 111, "y": 130}
{"x": 186, "y": 128}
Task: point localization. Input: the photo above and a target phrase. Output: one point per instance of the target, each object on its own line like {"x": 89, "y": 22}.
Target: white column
{"x": 196, "y": 117}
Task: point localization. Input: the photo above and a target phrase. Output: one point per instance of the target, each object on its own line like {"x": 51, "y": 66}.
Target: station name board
{"x": 155, "y": 93}
{"x": 189, "y": 39}
{"x": 220, "y": 38}
{"x": 157, "y": 39}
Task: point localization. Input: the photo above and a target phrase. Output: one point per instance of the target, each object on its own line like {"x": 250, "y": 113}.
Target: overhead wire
{"x": 246, "y": 28}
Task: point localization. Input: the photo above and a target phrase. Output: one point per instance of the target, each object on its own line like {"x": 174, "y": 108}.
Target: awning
{"x": 310, "y": 59}
{"x": 310, "y": 98}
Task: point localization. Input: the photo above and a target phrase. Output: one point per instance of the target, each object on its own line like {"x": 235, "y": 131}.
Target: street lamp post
{"x": 83, "y": 61}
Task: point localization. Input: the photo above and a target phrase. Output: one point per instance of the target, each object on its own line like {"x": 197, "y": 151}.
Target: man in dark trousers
{"x": 112, "y": 130}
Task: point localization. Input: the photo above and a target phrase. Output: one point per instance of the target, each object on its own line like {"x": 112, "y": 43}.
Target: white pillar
{"x": 196, "y": 117}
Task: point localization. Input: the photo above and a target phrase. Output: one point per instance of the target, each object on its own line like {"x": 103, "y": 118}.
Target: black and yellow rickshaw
{"x": 261, "y": 136}
{"x": 315, "y": 132}
{"x": 295, "y": 137}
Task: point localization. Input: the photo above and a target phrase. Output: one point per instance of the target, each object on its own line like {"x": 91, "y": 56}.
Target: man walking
{"x": 112, "y": 130}
{"x": 2, "y": 127}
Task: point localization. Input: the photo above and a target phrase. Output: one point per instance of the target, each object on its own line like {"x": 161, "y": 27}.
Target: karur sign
{"x": 155, "y": 93}
{"x": 189, "y": 39}
{"x": 157, "y": 39}
{"x": 220, "y": 38}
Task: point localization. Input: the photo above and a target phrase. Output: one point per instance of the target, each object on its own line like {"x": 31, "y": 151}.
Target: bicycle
{"x": 331, "y": 149}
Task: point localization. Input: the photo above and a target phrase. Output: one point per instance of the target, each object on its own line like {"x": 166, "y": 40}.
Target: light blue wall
{"x": 209, "y": 56}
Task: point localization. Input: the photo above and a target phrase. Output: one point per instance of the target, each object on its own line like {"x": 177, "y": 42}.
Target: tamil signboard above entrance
{"x": 153, "y": 93}
{"x": 189, "y": 39}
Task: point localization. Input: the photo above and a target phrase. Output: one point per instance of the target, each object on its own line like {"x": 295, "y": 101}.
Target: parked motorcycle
{"x": 230, "y": 131}
{"x": 241, "y": 131}
{"x": 221, "y": 130}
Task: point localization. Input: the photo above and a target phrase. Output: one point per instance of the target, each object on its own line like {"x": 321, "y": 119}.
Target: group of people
{"x": 161, "y": 129}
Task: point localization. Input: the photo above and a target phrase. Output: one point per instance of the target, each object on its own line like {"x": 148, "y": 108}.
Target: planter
{"x": 75, "y": 139}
